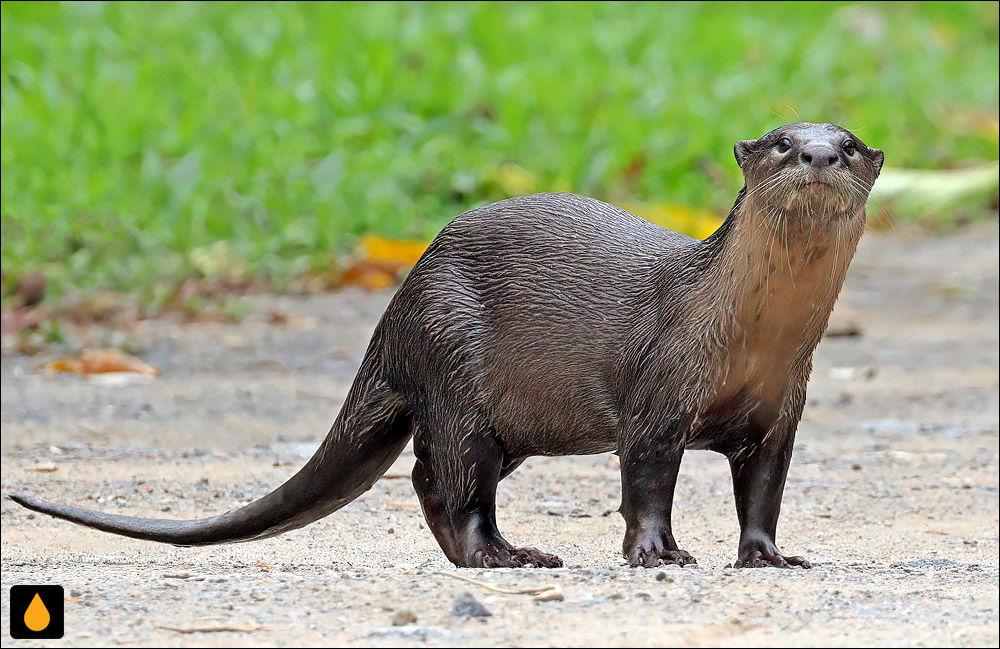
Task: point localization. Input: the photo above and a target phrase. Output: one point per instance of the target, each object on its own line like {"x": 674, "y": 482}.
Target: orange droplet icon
{"x": 36, "y": 617}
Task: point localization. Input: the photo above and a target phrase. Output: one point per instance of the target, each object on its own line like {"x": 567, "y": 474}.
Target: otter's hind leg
{"x": 456, "y": 477}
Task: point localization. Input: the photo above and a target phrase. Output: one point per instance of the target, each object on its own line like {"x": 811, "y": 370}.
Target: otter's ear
{"x": 742, "y": 150}
{"x": 877, "y": 159}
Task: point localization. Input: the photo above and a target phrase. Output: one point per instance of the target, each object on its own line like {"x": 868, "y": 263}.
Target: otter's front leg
{"x": 758, "y": 482}
{"x": 649, "y": 466}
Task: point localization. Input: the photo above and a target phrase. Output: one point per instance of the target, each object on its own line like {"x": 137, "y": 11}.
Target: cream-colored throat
{"x": 786, "y": 273}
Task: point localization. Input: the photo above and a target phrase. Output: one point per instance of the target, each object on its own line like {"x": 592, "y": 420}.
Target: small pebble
{"x": 402, "y": 618}
{"x": 468, "y": 606}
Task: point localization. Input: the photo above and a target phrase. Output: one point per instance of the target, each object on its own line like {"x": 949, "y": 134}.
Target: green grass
{"x": 134, "y": 134}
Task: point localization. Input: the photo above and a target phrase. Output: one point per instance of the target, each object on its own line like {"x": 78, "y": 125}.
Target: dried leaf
{"x": 66, "y": 364}
{"x": 100, "y": 361}
{"x": 43, "y": 467}
{"x": 383, "y": 263}
{"x": 369, "y": 275}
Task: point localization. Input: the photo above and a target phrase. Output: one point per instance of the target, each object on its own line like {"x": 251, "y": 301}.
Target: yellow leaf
{"x": 402, "y": 252}
{"x": 679, "y": 218}
{"x": 370, "y": 276}
{"x": 100, "y": 361}
{"x": 65, "y": 364}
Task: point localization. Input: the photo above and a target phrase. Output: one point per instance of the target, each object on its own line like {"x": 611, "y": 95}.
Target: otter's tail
{"x": 369, "y": 434}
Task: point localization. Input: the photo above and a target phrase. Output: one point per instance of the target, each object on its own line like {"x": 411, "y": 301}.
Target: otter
{"x": 556, "y": 324}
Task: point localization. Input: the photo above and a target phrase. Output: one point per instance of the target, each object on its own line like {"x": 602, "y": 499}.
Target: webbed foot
{"x": 497, "y": 557}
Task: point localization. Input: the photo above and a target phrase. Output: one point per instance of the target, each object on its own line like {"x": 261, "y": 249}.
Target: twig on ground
{"x": 221, "y": 628}
{"x": 540, "y": 593}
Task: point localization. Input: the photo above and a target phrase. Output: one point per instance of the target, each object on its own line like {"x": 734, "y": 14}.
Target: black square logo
{"x": 36, "y": 612}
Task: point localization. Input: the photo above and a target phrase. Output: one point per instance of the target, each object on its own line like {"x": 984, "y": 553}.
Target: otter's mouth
{"x": 812, "y": 193}
{"x": 819, "y": 193}
{"x": 819, "y": 186}
{"x": 816, "y": 191}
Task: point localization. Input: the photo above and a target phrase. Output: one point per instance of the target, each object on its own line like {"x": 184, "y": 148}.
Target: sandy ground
{"x": 893, "y": 492}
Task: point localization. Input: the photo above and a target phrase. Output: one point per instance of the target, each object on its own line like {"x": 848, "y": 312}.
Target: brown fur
{"x": 556, "y": 324}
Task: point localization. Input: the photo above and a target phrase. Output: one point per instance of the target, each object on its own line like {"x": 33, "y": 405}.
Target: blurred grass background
{"x": 146, "y": 143}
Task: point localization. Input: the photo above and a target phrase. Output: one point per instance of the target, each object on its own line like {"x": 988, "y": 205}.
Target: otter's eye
{"x": 783, "y": 145}
{"x": 850, "y": 148}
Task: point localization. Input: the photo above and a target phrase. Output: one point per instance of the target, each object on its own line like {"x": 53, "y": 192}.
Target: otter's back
{"x": 531, "y": 298}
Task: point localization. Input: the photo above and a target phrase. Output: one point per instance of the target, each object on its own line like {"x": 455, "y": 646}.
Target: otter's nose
{"x": 818, "y": 154}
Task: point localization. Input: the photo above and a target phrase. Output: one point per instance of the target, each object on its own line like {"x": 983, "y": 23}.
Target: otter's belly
{"x": 551, "y": 409}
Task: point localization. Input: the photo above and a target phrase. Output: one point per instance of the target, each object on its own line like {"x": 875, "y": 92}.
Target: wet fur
{"x": 556, "y": 324}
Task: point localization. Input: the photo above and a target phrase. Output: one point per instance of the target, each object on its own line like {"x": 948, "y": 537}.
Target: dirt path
{"x": 893, "y": 492}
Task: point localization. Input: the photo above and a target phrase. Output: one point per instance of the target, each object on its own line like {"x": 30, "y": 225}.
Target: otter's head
{"x": 817, "y": 170}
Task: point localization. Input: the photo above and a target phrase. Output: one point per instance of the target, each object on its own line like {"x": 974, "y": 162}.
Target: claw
{"x": 653, "y": 558}
{"x": 516, "y": 558}
{"x": 540, "y": 559}
{"x": 758, "y": 559}
{"x": 799, "y": 561}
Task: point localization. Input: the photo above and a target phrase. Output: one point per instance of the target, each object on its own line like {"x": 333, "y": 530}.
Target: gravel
{"x": 892, "y": 494}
